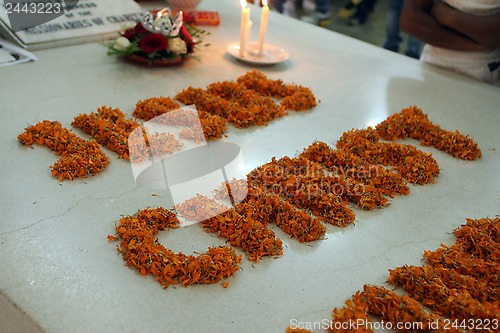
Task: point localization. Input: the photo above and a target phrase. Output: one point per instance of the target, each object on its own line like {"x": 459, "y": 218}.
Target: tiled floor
{"x": 373, "y": 31}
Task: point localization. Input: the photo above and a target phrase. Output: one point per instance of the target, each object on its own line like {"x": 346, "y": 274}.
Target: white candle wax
{"x": 247, "y": 33}
{"x": 245, "y": 18}
{"x": 263, "y": 25}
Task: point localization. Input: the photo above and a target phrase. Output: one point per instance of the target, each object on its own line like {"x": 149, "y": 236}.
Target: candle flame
{"x": 243, "y": 3}
{"x": 264, "y": 2}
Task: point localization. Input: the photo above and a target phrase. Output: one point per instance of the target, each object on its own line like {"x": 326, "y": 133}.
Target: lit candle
{"x": 245, "y": 19}
{"x": 263, "y": 25}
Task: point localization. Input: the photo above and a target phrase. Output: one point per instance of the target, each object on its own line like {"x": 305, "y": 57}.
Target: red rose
{"x": 131, "y": 33}
{"x": 153, "y": 42}
{"x": 139, "y": 29}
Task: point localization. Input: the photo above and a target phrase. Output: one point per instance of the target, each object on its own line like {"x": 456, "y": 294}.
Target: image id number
{"x": 471, "y": 324}
{"x": 33, "y": 8}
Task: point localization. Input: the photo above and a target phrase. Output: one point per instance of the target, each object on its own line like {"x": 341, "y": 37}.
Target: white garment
{"x": 473, "y": 64}
{"x": 476, "y": 7}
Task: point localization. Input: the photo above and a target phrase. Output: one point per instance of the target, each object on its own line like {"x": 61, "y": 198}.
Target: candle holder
{"x": 270, "y": 54}
{"x": 255, "y": 53}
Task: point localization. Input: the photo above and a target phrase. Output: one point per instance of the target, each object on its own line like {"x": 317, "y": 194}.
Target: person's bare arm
{"x": 417, "y": 20}
{"x": 483, "y": 29}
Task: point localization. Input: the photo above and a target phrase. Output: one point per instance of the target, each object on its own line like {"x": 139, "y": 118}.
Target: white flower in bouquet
{"x": 121, "y": 43}
{"x": 177, "y": 45}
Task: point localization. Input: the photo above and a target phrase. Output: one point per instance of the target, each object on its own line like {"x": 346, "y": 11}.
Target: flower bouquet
{"x": 159, "y": 39}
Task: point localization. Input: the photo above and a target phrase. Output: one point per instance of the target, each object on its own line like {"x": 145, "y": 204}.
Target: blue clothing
{"x": 278, "y": 4}
{"x": 393, "y": 35}
{"x": 322, "y": 6}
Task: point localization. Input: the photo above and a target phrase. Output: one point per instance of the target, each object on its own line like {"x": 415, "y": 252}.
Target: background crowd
{"x": 459, "y": 35}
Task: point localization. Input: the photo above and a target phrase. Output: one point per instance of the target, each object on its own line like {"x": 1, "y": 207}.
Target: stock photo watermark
{"x": 195, "y": 167}
{"x": 170, "y": 153}
{"x": 412, "y": 326}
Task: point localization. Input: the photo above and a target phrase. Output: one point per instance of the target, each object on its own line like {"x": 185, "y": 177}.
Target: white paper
{"x": 11, "y": 54}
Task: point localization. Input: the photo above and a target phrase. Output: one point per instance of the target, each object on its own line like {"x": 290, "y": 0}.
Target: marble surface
{"x": 59, "y": 268}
